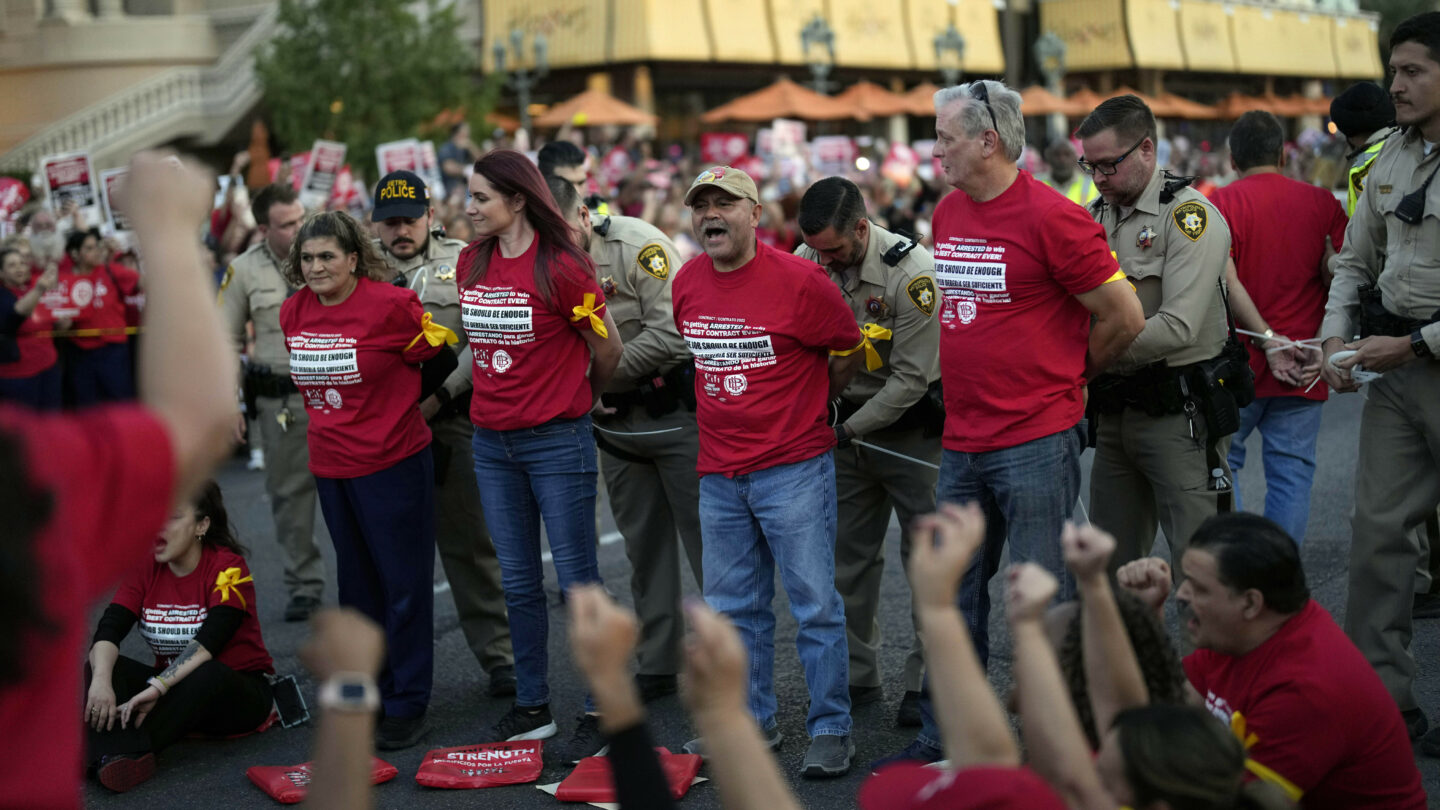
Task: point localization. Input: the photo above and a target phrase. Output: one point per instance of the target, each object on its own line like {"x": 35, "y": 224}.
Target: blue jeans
{"x": 526, "y": 475}
{"x": 1026, "y": 492}
{"x": 1289, "y": 427}
{"x": 782, "y": 515}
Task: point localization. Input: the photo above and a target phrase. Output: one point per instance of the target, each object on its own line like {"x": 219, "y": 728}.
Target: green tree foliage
{"x": 365, "y": 72}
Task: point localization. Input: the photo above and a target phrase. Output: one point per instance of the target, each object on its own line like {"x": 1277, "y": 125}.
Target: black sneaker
{"x": 396, "y": 733}
{"x": 654, "y": 687}
{"x": 524, "y": 723}
{"x": 863, "y": 695}
{"x": 909, "y": 714}
{"x": 121, "y": 772}
{"x": 828, "y": 756}
{"x": 301, "y": 608}
{"x": 587, "y": 741}
{"x": 916, "y": 751}
{"x": 502, "y": 682}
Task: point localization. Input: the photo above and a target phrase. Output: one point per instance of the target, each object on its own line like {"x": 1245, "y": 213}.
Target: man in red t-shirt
{"x": 1020, "y": 270}
{"x": 1282, "y": 264}
{"x": 763, "y": 326}
{"x": 1273, "y": 665}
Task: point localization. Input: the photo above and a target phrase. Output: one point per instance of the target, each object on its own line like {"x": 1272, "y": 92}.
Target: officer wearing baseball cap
{"x": 425, "y": 262}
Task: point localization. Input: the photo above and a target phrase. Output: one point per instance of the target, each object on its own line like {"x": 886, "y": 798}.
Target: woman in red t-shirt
{"x": 29, "y": 373}
{"x": 544, "y": 348}
{"x": 95, "y": 291}
{"x": 195, "y": 604}
{"x": 355, "y": 347}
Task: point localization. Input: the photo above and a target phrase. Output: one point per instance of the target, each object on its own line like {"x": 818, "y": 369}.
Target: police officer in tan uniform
{"x": 1158, "y": 458}
{"x": 252, "y": 291}
{"x": 889, "y": 283}
{"x": 646, "y": 428}
{"x": 1387, "y": 289}
{"x": 426, "y": 263}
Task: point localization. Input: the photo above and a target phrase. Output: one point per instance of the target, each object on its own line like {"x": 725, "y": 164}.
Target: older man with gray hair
{"x": 1020, "y": 271}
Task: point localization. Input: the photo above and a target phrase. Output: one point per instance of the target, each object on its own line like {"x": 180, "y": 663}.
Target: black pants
{"x": 214, "y": 699}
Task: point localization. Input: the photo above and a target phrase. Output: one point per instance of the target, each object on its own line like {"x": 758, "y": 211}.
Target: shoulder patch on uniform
{"x": 1191, "y": 218}
{"x": 652, "y": 259}
{"x": 922, "y": 294}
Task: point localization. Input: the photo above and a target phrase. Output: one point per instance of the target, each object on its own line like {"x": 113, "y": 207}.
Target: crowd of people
{"x": 761, "y": 392}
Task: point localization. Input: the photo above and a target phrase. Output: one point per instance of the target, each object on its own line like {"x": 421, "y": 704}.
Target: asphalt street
{"x": 212, "y": 773}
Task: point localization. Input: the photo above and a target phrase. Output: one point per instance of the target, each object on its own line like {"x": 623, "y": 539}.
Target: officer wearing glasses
{"x": 1158, "y": 457}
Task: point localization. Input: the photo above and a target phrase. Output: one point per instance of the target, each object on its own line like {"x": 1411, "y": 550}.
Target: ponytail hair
{"x": 512, "y": 175}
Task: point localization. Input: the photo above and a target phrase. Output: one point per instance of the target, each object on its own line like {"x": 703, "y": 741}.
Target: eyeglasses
{"x": 979, "y": 93}
{"x": 1108, "y": 167}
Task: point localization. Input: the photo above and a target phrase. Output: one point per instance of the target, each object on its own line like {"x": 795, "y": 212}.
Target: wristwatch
{"x": 350, "y": 692}
{"x": 1420, "y": 347}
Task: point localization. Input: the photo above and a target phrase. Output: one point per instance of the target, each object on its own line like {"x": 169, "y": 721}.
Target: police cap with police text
{"x": 400, "y": 194}
{"x": 726, "y": 178}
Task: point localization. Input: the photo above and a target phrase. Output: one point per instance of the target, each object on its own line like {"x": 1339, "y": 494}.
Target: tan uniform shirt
{"x": 895, "y": 298}
{"x": 1174, "y": 253}
{"x": 432, "y": 274}
{"x": 635, "y": 263}
{"x": 253, "y": 290}
{"x": 1405, "y": 258}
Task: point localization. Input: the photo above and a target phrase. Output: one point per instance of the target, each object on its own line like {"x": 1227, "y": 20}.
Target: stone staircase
{"x": 201, "y": 103}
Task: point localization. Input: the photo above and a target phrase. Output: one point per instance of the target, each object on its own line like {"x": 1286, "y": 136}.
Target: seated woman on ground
{"x": 195, "y": 604}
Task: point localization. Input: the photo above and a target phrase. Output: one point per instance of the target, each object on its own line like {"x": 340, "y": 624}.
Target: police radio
{"x": 898, "y": 250}
{"x": 1173, "y": 183}
{"x": 1411, "y": 209}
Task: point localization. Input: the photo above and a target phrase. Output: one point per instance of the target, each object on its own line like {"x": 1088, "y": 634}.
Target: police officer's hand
{"x": 942, "y": 544}
{"x": 1087, "y": 550}
{"x": 1028, "y": 589}
{"x": 1338, "y": 379}
{"x": 429, "y": 407}
{"x": 1147, "y": 578}
{"x": 600, "y": 409}
{"x": 1379, "y": 353}
{"x": 715, "y": 663}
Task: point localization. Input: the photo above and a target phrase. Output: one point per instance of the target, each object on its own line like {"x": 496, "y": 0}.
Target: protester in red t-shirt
{"x": 1282, "y": 235}
{"x": 1020, "y": 271}
{"x": 195, "y": 604}
{"x": 1273, "y": 665}
{"x": 93, "y": 291}
{"x": 70, "y": 536}
{"x": 762, "y": 325}
{"x": 29, "y": 373}
{"x": 544, "y": 347}
{"x": 355, "y": 345}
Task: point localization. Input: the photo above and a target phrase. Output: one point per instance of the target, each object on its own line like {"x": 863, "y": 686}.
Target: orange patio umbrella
{"x": 783, "y": 99}
{"x": 1036, "y": 100}
{"x": 874, "y": 100}
{"x": 922, "y": 99}
{"x": 1181, "y": 107}
{"x": 594, "y": 108}
{"x": 1237, "y": 104}
{"x": 1084, "y": 100}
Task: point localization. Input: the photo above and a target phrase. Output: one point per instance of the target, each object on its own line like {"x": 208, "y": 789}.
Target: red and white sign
{"x": 430, "y": 169}
{"x": 326, "y": 160}
{"x": 398, "y": 156}
{"x": 900, "y": 164}
{"x": 481, "y": 766}
{"x": 787, "y": 137}
{"x": 70, "y": 176}
{"x": 13, "y": 196}
{"x": 723, "y": 148}
{"x": 109, "y": 181}
{"x": 833, "y": 154}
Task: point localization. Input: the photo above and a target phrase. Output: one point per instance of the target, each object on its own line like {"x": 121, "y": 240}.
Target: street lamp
{"x": 519, "y": 77}
{"x": 950, "y": 40}
{"x": 1050, "y": 58}
{"x": 818, "y": 33}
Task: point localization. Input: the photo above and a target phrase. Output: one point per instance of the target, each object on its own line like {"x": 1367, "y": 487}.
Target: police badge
{"x": 1146, "y": 237}
{"x": 607, "y": 285}
{"x": 876, "y": 306}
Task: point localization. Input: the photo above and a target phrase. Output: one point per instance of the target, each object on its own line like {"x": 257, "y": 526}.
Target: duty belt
{"x": 260, "y": 382}
{"x": 1375, "y": 319}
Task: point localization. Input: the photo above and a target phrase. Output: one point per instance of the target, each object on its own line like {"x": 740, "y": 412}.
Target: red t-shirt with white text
{"x": 102, "y": 524}
{"x": 93, "y": 300}
{"x": 171, "y": 609}
{"x": 36, "y": 353}
{"x": 356, "y": 377}
{"x": 1320, "y": 715}
{"x": 1012, "y": 335}
{"x": 1277, "y": 238}
{"x": 761, "y": 336}
{"x": 531, "y": 359}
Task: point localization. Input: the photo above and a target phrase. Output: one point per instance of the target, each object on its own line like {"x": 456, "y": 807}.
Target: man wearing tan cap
{"x": 773, "y": 340}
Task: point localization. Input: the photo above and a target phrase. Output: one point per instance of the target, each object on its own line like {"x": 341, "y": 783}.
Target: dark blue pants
{"x": 41, "y": 392}
{"x": 383, "y": 527}
{"x": 102, "y": 375}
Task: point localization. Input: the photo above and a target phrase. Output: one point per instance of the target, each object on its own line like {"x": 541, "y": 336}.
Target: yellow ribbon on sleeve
{"x": 229, "y": 580}
{"x": 589, "y": 310}
{"x": 434, "y": 334}
{"x": 1248, "y": 739}
{"x": 869, "y": 332}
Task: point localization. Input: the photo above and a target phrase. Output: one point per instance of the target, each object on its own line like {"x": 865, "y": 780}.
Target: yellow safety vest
{"x": 1358, "y": 173}
{"x": 1081, "y": 189}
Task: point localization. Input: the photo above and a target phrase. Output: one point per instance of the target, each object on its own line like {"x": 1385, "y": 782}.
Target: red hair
{"x": 513, "y": 175}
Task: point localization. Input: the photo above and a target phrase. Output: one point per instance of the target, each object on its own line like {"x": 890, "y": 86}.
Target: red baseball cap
{"x": 914, "y": 786}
